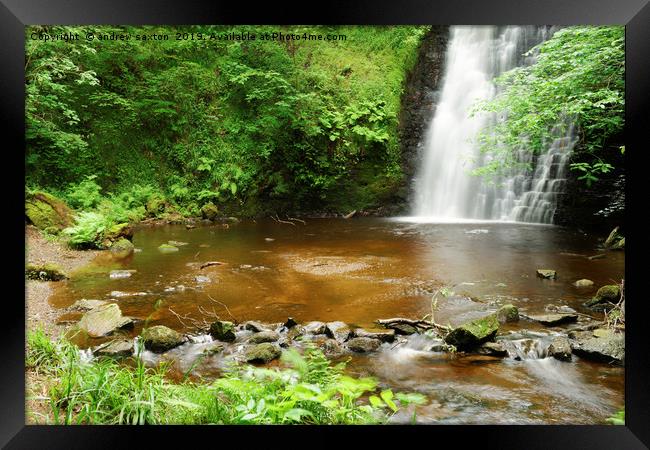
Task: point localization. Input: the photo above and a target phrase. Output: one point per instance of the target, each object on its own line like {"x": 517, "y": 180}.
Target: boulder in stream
{"x": 122, "y": 248}
{"x": 160, "y": 338}
{"x": 315, "y": 328}
{"x": 166, "y": 248}
{"x": 604, "y": 346}
{"x": 262, "y": 353}
{"x": 560, "y": 348}
{"x": 104, "y": 320}
{"x": 473, "y": 333}
{"x": 338, "y": 330}
{"x": 117, "y": 274}
{"x": 508, "y": 313}
{"x": 492, "y": 349}
{"x": 551, "y": 320}
{"x": 223, "y": 331}
{"x": 264, "y": 336}
{"x": 209, "y": 211}
{"x": 583, "y": 283}
{"x": 87, "y": 304}
{"x": 610, "y": 293}
{"x": 254, "y": 326}
{"x": 213, "y": 349}
{"x": 363, "y": 344}
{"x": 547, "y": 273}
{"x": 44, "y": 272}
{"x": 290, "y": 323}
{"x": 383, "y": 335}
{"x": 118, "y": 348}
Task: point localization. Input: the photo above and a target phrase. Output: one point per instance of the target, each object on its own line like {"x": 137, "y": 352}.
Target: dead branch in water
{"x": 297, "y": 220}
{"x": 420, "y": 323}
{"x": 211, "y": 263}
{"x": 277, "y": 219}
{"x": 226, "y": 307}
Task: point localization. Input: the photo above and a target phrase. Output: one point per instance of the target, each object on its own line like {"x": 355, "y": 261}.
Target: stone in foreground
{"x": 551, "y": 320}
{"x": 213, "y": 349}
{"x": 264, "y": 336}
{"x": 492, "y": 349}
{"x": 118, "y": 348}
{"x": 560, "y": 348}
{"x": 608, "y": 347}
{"x": 547, "y": 273}
{"x": 160, "y": 338}
{"x": 315, "y": 328}
{"x": 383, "y": 335}
{"x": 166, "y": 248}
{"x": 474, "y": 333}
{"x": 254, "y": 326}
{"x": 338, "y": 330}
{"x": 363, "y": 344}
{"x": 262, "y": 353}
{"x": 104, "y": 320}
{"x": 223, "y": 331}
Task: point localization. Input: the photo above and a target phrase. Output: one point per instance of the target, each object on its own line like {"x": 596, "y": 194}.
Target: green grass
{"x": 103, "y": 391}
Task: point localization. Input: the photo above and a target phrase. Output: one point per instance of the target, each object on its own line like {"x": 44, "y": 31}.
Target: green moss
{"x": 46, "y": 211}
{"x": 209, "y": 211}
{"x": 45, "y": 272}
{"x": 473, "y": 333}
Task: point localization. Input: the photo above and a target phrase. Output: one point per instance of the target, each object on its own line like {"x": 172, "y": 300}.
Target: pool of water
{"x": 365, "y": 269}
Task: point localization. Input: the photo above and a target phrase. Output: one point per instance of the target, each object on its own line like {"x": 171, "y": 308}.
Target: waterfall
{"x": 445, "y": 189}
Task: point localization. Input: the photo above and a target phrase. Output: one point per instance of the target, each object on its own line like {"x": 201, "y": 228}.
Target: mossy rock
{"x": 122, "y": 248}
{"x": 474, "y": 333}
{"x": 45, "y": 272}
{"x": 156, "y": 205}
{"x": 46, "y": 211}
{"x": 223, "y": 331}
{"x": 262, "y": 353}
{"x": 160, "y": 338}
{"x": 508, "y": 313}
{"x": 166, "y": 248}
{"x": 209, "y": 211}
{"x": 610, "y": 293}
{"x": 104, "y": 320}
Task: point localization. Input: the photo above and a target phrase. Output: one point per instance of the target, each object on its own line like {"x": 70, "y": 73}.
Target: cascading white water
{"x": 445, "y": 189}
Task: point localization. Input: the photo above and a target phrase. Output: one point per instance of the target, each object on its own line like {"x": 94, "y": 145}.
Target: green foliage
{"x": 578, "y": 77}
{"x": 309, "y": 391}
{"x": 618, "y": 418}
{"x": 89, "y": 229}
{"x": 85, "y": 195}
{"x": 259, "y": 125}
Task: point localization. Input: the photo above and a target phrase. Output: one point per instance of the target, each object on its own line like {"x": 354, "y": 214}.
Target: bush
{"x": 89, "y": 230}
{"x": 85, "y": 195}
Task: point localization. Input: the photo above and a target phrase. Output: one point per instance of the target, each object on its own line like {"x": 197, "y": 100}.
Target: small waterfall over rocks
{"x": 445, "y": 189}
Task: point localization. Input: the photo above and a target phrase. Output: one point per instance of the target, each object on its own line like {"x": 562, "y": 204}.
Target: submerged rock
{"x": 508, "y": 313}
{"x": 547, "y": 273}
{"x": 438, "y": 345}
{"x": 492, "y": 349}
{"x": 583, "y": 283}
{"x": 213, "y": 349}
{"x": 384, "y": 335}
{"x": 44, "y": 272}
{"x": 115, "y": 349}
{"x": 607, "y": 346}
{"x": 610, "y": 293}
{"x": 87, "y": 304}
{"x": 160, "y": 338}
{"x": 554, "y": 319}
{"x": 262, "y": 353}
{"x": 363, "y": 344}
{"x": 403, "y": 328}
{"x": 338, "y": 330}
{"x": 474, "y": 333}
{"x": 104, "y": 320}
{"x": 264, "y": 336}
{"x": 116, "y": 274}
{"x": 223, "y": 331}
{"x": 560, "y": 348}
{"x": 46, "y": 211}
{"x": 177, "y": 243}
{"x": 331, "y": 348}
{"x": 202, "y": 279}
{"x": 254, "y": 326}
{"x": 315, "y": 328}
{"x": 166, "y": 248}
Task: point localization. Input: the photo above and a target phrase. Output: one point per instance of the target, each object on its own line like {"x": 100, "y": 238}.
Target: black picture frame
{"x": 16, "y": 14}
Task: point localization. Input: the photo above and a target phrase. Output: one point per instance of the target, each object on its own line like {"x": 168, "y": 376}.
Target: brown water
{"x": 361, "y": 270}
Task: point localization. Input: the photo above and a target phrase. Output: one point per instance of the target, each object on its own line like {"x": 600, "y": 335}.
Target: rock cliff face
{"x": 419, "y": 102}
{"x": 600, "y": 207}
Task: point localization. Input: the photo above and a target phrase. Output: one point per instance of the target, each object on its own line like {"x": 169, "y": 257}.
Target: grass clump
{"x": 309, "y": 391}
